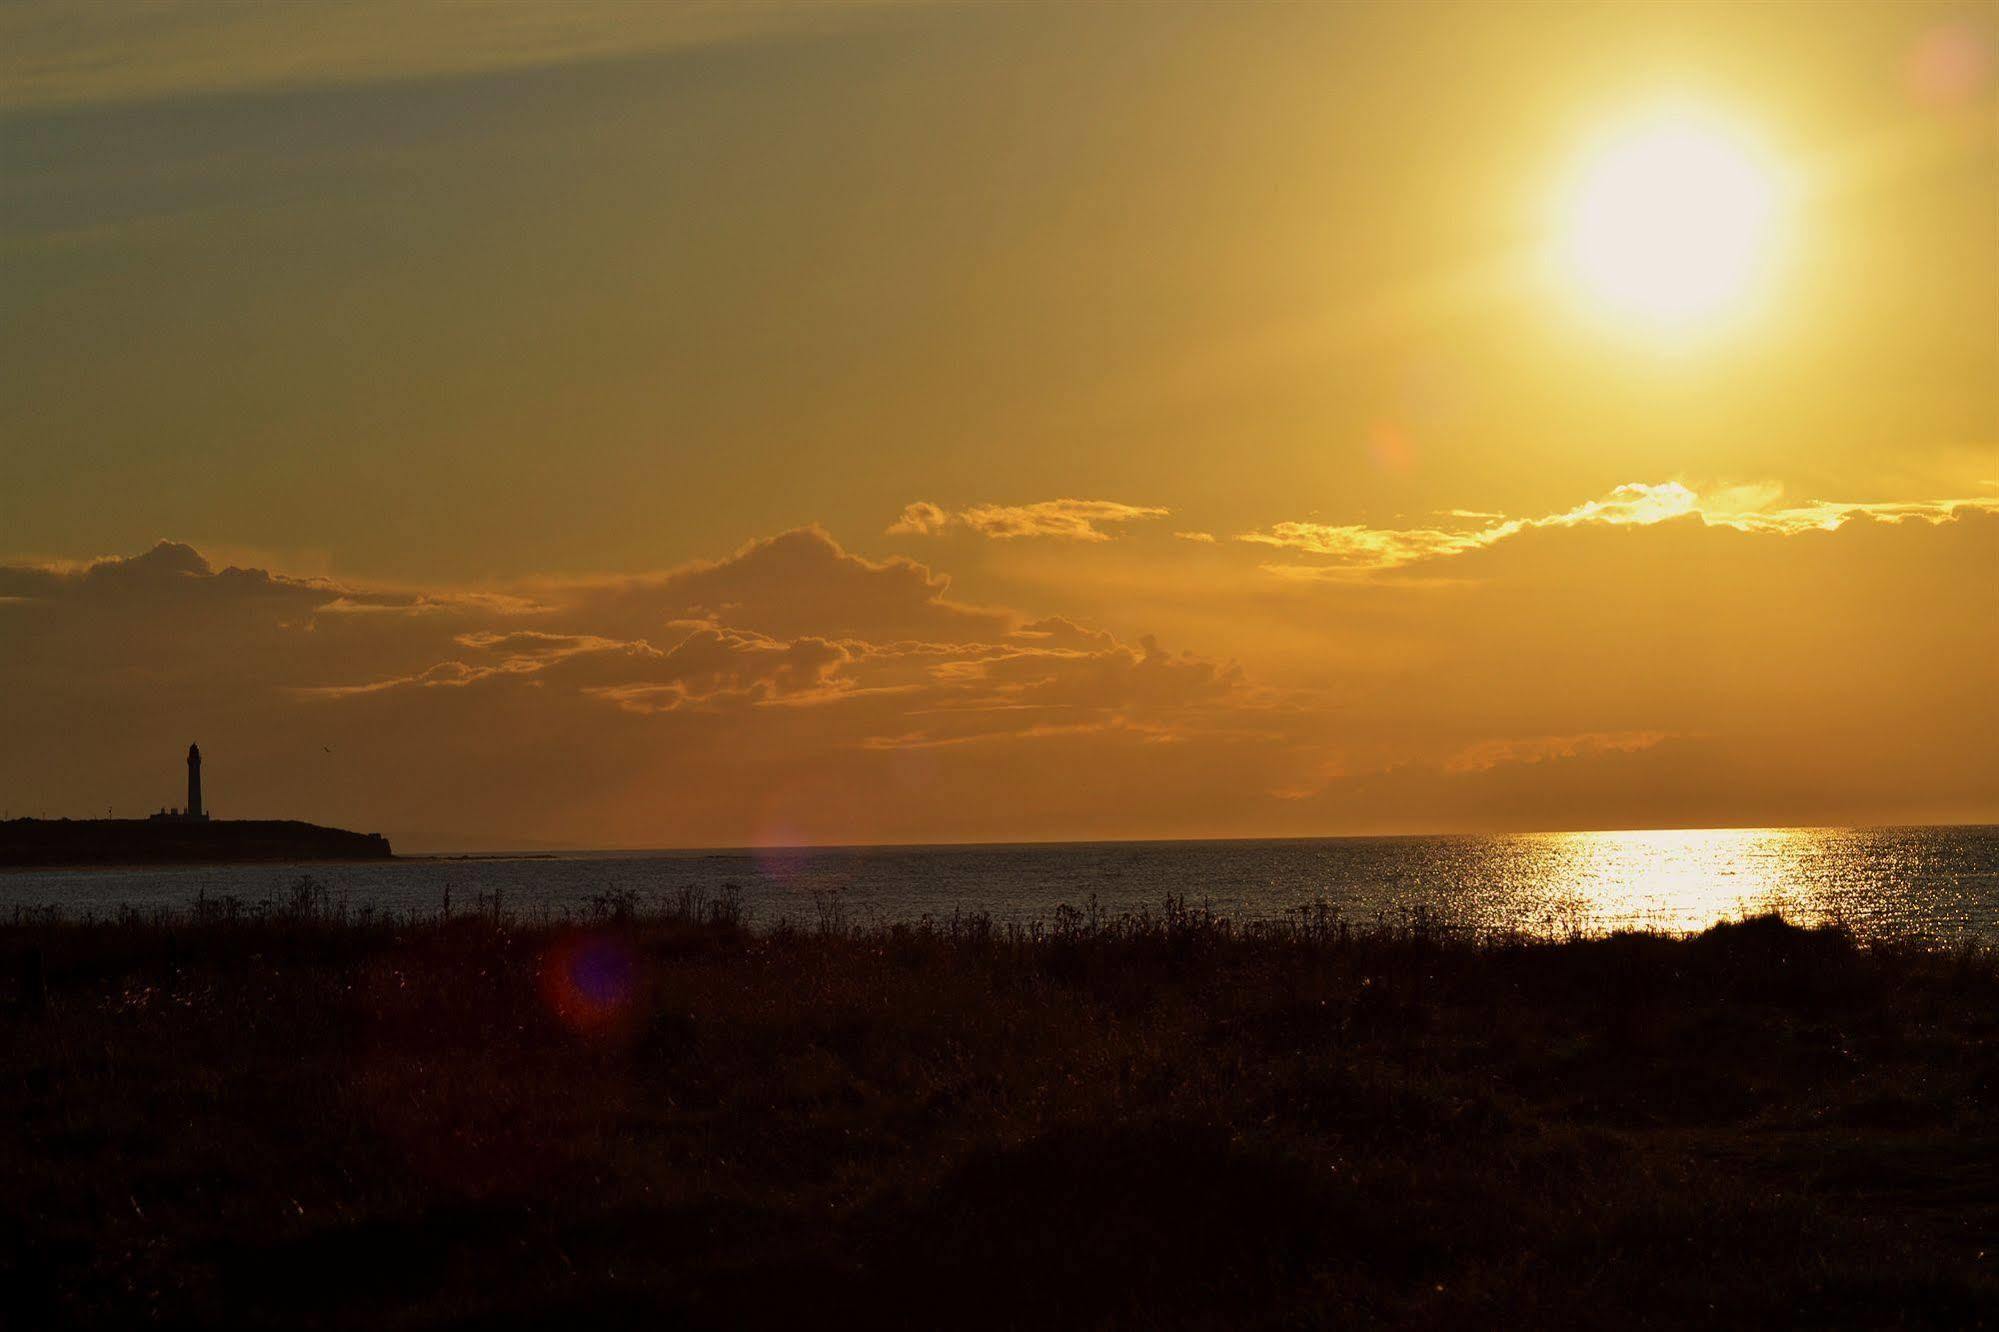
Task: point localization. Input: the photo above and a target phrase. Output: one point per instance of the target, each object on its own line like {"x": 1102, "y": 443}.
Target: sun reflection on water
{"x": 1938, "y": 883}
{"x": 1682, "y": 880}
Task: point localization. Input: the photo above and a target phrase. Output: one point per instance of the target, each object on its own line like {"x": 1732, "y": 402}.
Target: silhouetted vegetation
{"x": 294, "y": 1115}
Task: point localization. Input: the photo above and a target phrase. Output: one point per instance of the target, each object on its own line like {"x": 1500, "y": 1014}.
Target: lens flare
{"x": 1950, "y": 65}
{"x": 588, "y": 982}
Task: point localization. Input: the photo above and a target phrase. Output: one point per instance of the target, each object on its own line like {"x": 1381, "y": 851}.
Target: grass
{"x": 301, "y": 1117}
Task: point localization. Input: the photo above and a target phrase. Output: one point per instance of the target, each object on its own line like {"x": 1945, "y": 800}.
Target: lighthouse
{"x": 192, "y": 812}
{"x": 194, "y": 809}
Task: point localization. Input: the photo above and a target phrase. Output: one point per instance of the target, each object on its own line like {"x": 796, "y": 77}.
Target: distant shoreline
{"x": 175, "y": 841}
{"x": 302, "y": 862}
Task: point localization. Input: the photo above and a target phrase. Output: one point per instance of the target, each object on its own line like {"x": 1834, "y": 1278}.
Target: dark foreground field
{"x": 672, "y": 1121}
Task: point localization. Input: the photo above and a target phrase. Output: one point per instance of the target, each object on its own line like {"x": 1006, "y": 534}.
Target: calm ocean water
{"x": 1941, "y": 883}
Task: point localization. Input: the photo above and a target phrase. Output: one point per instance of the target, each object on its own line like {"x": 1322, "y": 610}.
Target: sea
{"x": 1936, "y": 884}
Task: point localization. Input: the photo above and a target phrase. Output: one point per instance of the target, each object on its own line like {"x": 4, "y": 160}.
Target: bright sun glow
{"x": 1670, "y": 223}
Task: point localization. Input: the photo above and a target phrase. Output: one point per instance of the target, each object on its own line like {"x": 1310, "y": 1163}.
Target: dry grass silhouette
{"x": 296, "y": 1116}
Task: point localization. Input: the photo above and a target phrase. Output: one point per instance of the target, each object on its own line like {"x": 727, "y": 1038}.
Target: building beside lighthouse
{"x": 194, "y": 811}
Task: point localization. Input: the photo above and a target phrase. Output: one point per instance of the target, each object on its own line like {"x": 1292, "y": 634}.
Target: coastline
{"x": 279, "y": 863}
{"x": 169, "y": 840}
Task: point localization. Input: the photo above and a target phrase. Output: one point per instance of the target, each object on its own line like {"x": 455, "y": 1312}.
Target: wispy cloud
{"x": 1369, "y": 549}
{"x": 1068, "y": 519}
{"x": 920, "y": 519}
{"x": 1357, "y": 550}
{"x": 73, "y": 52}
{"x": 1489, "y": 754}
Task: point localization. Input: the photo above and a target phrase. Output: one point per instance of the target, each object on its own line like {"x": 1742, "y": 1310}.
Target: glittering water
{"x": 1939, "y": 883}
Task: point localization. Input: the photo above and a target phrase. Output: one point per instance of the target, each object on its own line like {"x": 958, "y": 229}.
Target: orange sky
{"x": 619, "y": 425}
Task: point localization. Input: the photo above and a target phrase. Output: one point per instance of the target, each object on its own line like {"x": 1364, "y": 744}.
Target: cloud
{"x": 1056, "y": 631}
{"x": 1358, "y": 551}
{"x": 1069, "y": 519}
{"x": 66, "y": 52}
{"x": 710, "y": 665}
{"x": 1366, "y": 549}
{"x": 1488, "y": 754}
{"x": 797, "y": 582}
{"x": 1205, "y": 538}
{"x": 533, "y": 642}
{"x": 1074, "y": 519}
{"x": 920, "y": 519}
{"x": 786, "y": 621}
{"x": 1633, "y": 502}
{"x": 570, "y": 708}
{"x": 1678, "y": 782}
{"x": 796, "y": 690}
{"x": 166, "y": 561}
{"x": 1822, "y": 516}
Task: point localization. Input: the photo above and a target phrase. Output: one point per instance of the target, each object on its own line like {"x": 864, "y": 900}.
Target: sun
{"x": 1670, "y": 223}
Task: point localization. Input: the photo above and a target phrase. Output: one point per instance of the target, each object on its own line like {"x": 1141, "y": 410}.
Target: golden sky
{"x": 609, "y": 424}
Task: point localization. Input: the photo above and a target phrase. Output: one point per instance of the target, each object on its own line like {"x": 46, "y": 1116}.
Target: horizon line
{"x": 766, "y": 848}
